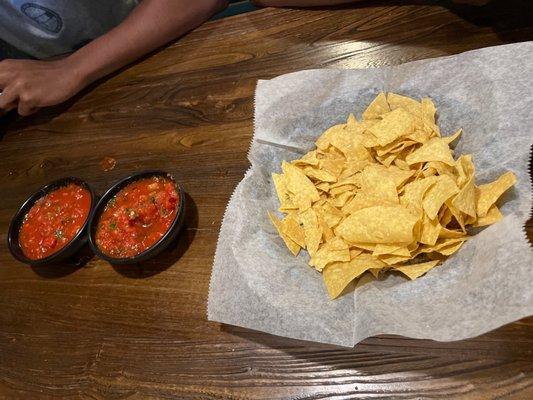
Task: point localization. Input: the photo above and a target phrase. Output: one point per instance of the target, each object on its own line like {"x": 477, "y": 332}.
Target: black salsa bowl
{"x": 168, "y": 237}
{"x": 66, "y": 252}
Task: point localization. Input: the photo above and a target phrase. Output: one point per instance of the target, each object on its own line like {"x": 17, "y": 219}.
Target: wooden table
{"x": 141, "y": 333}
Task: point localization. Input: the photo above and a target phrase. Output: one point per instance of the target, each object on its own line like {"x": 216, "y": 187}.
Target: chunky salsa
{"x": 54, "y": 220}
{"x": 137, "y": 217}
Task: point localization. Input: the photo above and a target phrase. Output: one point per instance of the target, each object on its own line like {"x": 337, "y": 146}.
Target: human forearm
{"x": 150, "y": 25}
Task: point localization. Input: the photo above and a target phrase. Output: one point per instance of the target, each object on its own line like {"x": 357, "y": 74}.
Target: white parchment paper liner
{"x": 256, "y": 283}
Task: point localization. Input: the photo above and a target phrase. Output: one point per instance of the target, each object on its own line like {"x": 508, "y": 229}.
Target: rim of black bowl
{"x": 158, "y": 246}
{"x": 71, "y": 247}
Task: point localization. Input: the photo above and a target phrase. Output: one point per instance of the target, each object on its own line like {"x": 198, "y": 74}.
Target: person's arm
{"x": 29, "y": 85}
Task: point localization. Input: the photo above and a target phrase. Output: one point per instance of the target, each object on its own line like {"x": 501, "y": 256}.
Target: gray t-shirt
{"x": 47, "y": 28}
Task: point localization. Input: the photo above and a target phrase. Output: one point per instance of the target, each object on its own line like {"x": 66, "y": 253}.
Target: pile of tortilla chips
{"x": 381, "y": 194}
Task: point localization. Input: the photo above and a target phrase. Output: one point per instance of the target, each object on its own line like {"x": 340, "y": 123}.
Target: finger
{"x": 25, "y": 109}
{"x": 8, "y": 100}
{"x": 8, "y": 108}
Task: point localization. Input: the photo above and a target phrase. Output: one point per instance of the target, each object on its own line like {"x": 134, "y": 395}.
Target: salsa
{"x": 53, "y": 221}
{"x": 137, "y": 217}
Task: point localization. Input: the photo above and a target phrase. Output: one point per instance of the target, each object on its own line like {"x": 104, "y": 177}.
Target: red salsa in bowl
{"x": 137, "y": 217}
{"x": 54, "y": 220}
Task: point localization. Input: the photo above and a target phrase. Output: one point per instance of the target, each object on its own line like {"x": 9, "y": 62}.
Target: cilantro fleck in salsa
{"x": 54, "y": 220}
{"x": 137, "y": 217}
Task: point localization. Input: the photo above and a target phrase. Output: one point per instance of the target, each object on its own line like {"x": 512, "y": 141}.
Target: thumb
{"x": 8, "y": 100}
{"x": 25, "y": 109}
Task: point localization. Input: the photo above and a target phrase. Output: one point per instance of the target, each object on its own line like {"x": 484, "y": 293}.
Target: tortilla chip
{"x": 378, "y": 224}
{"x": 300, "y": 185}
{"x": 442, "y": 169}
{"x": 353, "y": 167}
{"x": 387, "y": 160}
{"x": 394, "y": 147}
{"x": 377, "y": 107}
{"x": 394, "y": 124}
{"x": 331, "y": 214}
{"x": 413, "y": 192}
{"x": 435, "y": 149}
{"x": 292, "y": 245}
{"x": 397, "y": 101}
{"x": 419, "y": 136}
{"x": 414, "y": 271}
{"x": 430, "y": 230}
{"x": 335, "y": 250}
{"x": 450, "y": 139}
{"x": 323, "y": 186}
{"x": 398, "y": 175}
{"x": 365, "y": 246}
{"x": 333, "y": 166}
{"x": 350, "y": 145}
{"x": 310, "y": 159}
{"x": 361, "y": 200}
{"x": 428, "y": 110}
{"x": 292, "y": 229}
{"x": 457, "y": 215}
{"x": 493, "y": 216}
{"x": 400, "y": 163}
{"x": 284, "y": 196}
{"x": 354, "y": 179}
{"x": 354, "y": 252}
{"x": 312, "y": 231}
{"x": 342, "y": 199}
{"x": 351, "y": 121}
{"x": 324, "y": 140}
{"x": 392, "y": 259}
{"x": 319, "y": 175}
{"x": 437, "y": 194}
{"x": 465, "y": 200}
{"x": 336, "y": 191}
{"x": 377, "y": 183}
{"x": 376, "y": 272}
{"x": 445, "y": 215}
{"x": 450, "y": 233}
{"x": 339, "y": 275}
{"x": 327, "y": 232}
{"x": 443, "y": 245}
{"x": 465, "y": 169}
{"x": 369, "y": 140}
{"x": 395, "y": 249}
{"x": 452, "y": 248}
{"x": 489, "y": 193}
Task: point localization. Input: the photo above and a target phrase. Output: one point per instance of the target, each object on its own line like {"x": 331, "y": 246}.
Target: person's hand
{"x": 29, "y": 85}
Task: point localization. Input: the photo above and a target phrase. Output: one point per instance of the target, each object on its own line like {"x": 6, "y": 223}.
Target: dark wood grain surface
{"x": 141, "y": 333}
